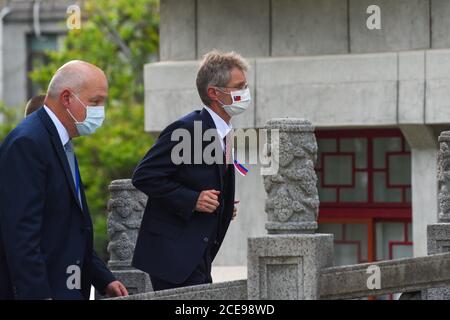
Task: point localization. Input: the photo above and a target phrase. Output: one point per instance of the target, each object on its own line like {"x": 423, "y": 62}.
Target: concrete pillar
{"x": 125, "y": 211}
{"x": 438, "y": 242}
{"x": 439, "y": 233}
{"x": 286, "y": 264}
{"x": 423, "y": 182}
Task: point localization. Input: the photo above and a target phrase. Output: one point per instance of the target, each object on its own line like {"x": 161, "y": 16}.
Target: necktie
{"x": 227, "y": 144}
{"x": 70, "y": 154}
{"x": 227, "y": 148}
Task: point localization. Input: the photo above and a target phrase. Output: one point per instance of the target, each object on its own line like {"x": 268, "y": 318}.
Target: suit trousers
{"x": 201, "y": 275}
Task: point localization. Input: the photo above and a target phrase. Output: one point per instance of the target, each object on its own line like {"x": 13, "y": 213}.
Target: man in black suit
{"x": 190, "y": 204}
{"x": 46, "y": 236}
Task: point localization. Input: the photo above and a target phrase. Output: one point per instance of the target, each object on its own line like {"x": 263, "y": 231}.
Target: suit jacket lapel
{"x": 208, "y": 122}
{"x": 56, "y": 141}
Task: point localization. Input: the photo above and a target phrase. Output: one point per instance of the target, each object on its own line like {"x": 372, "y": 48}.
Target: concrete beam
{"x": 384, "y": 89}
{"x": 420, "y": 137}
{"x": 341, "y": 90}
{"x": 403, "y": 275}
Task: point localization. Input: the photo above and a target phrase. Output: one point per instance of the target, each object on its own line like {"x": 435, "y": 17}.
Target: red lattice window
{"x": 368, "y": 169}
{"x": 364, "y": 182}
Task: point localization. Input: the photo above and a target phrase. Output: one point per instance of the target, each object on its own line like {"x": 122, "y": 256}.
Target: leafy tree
{"x": 8, "y": 119}
{"x": 119, "y": 36}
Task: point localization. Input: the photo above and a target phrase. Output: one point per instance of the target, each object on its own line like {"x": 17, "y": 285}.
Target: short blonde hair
{"x": 215, "y": 71}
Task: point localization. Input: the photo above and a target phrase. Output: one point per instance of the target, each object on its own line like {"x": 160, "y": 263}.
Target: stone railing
{"x": 292, "y": 261}
{"x": 348, "y": 282}
{"x": 231, "y": 290}
{"x": 402, "y": 275}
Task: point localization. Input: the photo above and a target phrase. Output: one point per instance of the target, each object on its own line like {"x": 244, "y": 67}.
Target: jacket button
{"x": 205, "y": 239}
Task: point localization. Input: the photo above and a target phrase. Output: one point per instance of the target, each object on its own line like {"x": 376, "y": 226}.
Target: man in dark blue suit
{"x": 46, "y": 236}
{"x": 191, "y": 202}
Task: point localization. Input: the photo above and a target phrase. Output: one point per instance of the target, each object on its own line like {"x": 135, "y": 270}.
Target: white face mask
{"x": 241, "y": 100}
{"x": 95, "y": 115}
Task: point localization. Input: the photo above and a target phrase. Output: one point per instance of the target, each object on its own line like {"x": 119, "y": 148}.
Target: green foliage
{"x": 119, "y": 36}
{"x": 8, "y": 120}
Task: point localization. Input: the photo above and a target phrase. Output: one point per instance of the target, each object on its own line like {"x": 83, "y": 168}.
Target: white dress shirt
{"x": 222, "y": 127}
{"x": 62, "y": 131}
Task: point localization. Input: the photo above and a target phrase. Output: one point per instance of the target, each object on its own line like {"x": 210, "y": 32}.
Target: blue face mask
{"x": 95, "y": 115}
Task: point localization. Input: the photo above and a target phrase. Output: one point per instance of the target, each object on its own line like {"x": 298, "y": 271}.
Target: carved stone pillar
{"x": 292, "y": 201}
{"x": 125, "y": 210}
{"x": 286, "y": 263}
{"x": 444, "y": 177}
{"x": 438, "y": 235}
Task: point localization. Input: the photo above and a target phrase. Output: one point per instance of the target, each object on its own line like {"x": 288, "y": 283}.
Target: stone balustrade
{"x": 292, "y": 261}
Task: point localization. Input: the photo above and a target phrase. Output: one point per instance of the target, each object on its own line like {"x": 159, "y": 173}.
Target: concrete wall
{"x": 405, "y": 25}
{"x": 377, "y": 89}
{"x": 424, "y": 150}
{"x": 292, "y": 32}
{"x": 178, "y": 26}
{"x": 244, "y": 25}
{"x": 440, "y": 23}
{"x": 260, "y": 28}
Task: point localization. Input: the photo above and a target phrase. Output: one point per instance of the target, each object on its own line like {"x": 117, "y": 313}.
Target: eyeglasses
{"x": 245, "y": 86}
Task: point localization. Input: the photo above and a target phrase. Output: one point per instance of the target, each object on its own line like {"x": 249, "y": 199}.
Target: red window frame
{"x": 369, "y": 209}
{"x": 368, "y": 213}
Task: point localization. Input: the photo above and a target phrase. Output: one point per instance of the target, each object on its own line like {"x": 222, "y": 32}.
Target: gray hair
{"x": 215, "y": 71}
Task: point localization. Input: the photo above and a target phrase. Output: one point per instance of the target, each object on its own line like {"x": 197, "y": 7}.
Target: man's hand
{"x": 208, "y": 201}
{"x": 116, "y": 289}
{"x": 235, "y": 210}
